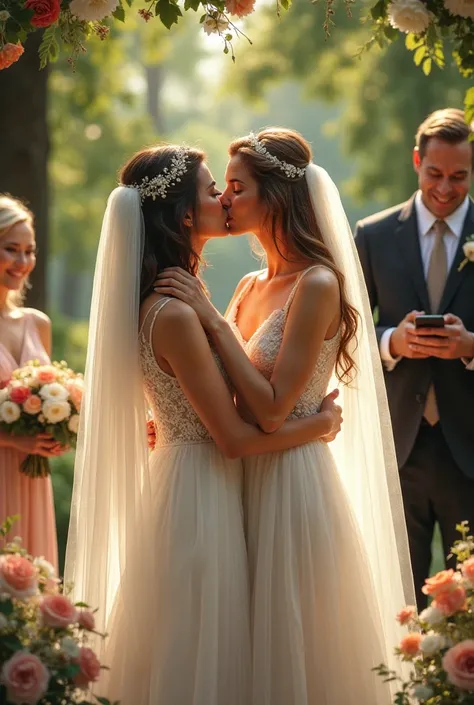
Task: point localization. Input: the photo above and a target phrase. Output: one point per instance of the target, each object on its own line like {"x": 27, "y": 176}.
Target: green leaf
{"x": 426, "y": 67}
{"x": 390, "y": 32}
{"x": 168, "y": 12}
{"x": 419, "y": 55}
{"x": 286, "y": 4}
{"x": 12, "y": 643}
{"x": 49, "y": 47}
{"x": 469, "y": 105}
{"x": 6, "y": 607}
{"x": 412, "y": 42}
{"x": 192, "y": 5}
{"x": 119, "y": 14}
{"x": 378, "y": 10}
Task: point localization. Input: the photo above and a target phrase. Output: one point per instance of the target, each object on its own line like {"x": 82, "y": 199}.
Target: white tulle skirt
{"x": 194, "y": 635}
{"x": 316, "y": 628}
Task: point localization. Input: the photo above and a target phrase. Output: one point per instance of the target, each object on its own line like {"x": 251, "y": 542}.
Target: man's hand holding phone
{"x": 444, "y": 337}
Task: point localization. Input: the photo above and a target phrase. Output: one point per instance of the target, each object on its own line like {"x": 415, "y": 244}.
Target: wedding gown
{"x": 196, "y": 647}
{"x": 316, "y": 630}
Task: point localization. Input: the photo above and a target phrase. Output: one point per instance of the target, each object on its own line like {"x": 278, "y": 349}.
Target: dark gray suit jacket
{"x": 389, "y": 252}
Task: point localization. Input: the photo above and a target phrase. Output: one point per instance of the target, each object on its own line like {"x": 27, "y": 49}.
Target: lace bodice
{"x": 176, "y": 421}
{"x": 263, "y": 347}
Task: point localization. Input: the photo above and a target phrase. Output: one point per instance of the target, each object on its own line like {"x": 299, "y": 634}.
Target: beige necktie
{"x": 435, "y": 282}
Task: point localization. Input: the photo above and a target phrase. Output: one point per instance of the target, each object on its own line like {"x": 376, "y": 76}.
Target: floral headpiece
{"x": 292, "y": 171}
{"x": 158, "y": 186}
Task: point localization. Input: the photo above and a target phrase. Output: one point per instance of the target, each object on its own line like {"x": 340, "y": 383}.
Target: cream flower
{"x": 463, "y": 8}
{"x": 9, "y": 412}
{"x": 56, "y": 411}
{"x": 45, "y": 567}
{"x": 215, "y": 25}
{"x": 431, "y": 616}
{"x": 432, "y": 643}
{"x": 73, "y": 424}
{"x": 54, "y": 392}
{"x": 409, "y": 16}
{"x": 422, "y": 692}
{"x": 69, "y": 647}
{"x": 92, "y": 10}
{"x": 468, "y": 247}
{"x": 3, "y": 395}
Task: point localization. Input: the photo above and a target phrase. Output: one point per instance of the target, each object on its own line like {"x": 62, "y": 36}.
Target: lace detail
{"x": 264, "y": 345}
{"x": 175, "y": 420}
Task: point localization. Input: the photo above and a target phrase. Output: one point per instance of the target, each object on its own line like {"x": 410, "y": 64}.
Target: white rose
{"x": 215, "y": 25}
{"x": 431, "y": 643}
{"x": 468, "y": 247}
{"x": 45, "y": 567}
{"x": 3, "y": 622}
{"x": 409, "y": 16}
{"x": 73, "y": 424}
{"x": 92, "y": 10}
{"x": 422, "y": 692}
{"x": 69, "y": 647}
{"x": 9, "y": 412}
{"x": 3, "y": 395}
{"x": 54, "y": 392}
{"x": 431, "y": 616}
{"x": 56, "y": 411}
{"x": 463, "y": 8}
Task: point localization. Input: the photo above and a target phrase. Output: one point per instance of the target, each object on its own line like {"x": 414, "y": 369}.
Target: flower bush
{"x": 440, "y": 640}
{"x": 44, "y": 654}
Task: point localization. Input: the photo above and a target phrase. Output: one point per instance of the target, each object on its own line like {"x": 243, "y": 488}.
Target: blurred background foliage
{"x": 145, "y": 84}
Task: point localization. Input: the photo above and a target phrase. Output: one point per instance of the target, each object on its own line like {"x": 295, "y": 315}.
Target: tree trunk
{"x": 24, "y": 148}
{"x": 155, "y": 79}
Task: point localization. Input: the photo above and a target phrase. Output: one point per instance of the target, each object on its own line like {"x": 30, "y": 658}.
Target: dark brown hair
{"x": 290, "y": 211}
{"x": 167, "y": 237}
{"x": 448, "y": 125}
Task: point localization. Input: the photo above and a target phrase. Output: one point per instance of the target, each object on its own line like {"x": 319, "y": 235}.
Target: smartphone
{"x": 429, "y": 321}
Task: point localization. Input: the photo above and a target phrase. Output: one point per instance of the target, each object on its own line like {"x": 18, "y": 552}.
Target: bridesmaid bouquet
{"x": 440, "y": 641}
{"x": 42, "y": 399}
{"x": 44, "y": 654}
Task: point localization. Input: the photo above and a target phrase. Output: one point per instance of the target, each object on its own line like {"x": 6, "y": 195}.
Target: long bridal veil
{"x": 364, "y": 450}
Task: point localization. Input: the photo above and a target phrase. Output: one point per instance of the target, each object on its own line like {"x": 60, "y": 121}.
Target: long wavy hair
{"x": 167, "y": 237}
{"x": 12, "y": 212}
{"x": 292, "y": 219}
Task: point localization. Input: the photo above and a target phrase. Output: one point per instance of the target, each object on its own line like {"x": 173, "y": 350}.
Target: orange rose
{"x": 9, "y": 54}
{"x": 468, "y": 570}
{"x": 410, "y": 644}
{"x": 440, "y": 581}
{"x": 407, "y": 613}
{"x": 450, "y": 600}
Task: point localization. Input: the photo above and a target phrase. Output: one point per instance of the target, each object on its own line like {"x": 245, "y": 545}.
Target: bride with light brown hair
{"x": 328, "y": 554}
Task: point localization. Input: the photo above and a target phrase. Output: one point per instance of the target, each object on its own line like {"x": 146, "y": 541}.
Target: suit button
{"x": 420, "y": 398}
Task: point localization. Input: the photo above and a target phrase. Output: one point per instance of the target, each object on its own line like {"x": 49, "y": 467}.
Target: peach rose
{"x": 410, "y": 644}
{"x": 90, "y": 668}
{"x": 9, "y": 54}
{"x": 18, "y": 576}
{"x": 46, "y": 374}
{"x": 442, "y": 580}
{"x": 32, "y": 405}
{"x": 450, "y": 600}
{"x": 20, "y": 394}
{"x": 25, "y": 677}
{"x": 240, "y": 8}
{"x": 458, "y": 663}
{"x": 86, "y": 620}
{"x": 407, "y": 613}
{"x": 76, "y": 390}
{"x": 57, "y": 611}
{"x": 468, "y": 570}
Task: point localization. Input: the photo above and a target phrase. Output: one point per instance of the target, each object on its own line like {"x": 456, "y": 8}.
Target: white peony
{"x": 463, "y": 8}
{"x": 409, "y": 16}
{"x": 54, "y": 392}
{"x": 73, "y": 424}
{"x": 92, "y": 10}
{"x": 9, "y": 412}
{"x": 422, "y": 692}
{"x": 215, "y": 25}
{"x": 56, "y": 411}
{"x": 432, "y": 643}
{"x": 3, "y": 622}
{"x": 431, "y": 616}
{"x": 69, "y": 647}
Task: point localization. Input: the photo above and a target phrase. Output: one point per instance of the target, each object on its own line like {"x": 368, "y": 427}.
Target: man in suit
{"x": 411, "y": 256}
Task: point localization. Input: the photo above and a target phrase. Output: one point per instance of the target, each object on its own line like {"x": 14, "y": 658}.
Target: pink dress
{"x": 31, "y": 498}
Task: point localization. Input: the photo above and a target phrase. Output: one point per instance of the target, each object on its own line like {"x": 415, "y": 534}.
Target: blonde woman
{"x": 25, "y": 333}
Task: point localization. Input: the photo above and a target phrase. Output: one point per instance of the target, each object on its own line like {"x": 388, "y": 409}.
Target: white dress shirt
{"x": 426, "y": 235}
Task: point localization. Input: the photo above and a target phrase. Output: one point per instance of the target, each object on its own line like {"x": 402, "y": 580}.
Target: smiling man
{"x": 411, "y": 256}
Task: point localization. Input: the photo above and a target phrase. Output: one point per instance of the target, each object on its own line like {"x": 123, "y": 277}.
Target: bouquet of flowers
{"x": 440, "y": 640}
{"x": 42, "y": 399}
{"x": 44, "y": 656}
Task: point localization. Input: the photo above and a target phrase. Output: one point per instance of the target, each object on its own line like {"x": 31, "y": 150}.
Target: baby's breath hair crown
{"x": 290, "y": 170}
{"x": 158, "y": 186}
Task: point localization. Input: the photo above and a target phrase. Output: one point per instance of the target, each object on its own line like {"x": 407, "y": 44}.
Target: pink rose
{"x": 57, "y": 611}
{"x": 46, "y": 11}
{"x": 46, "y": 375}
{"x": 442, "y": 580}
{"x": 25, "y": 678}
{"x": 86, "y": 620}
{"x": 450, "y": 600}
{"x": 458, "y": 663}
{"x": 468, "y": 569}
{"x": 9, "y": 54}
{"x": 18, "y": 576}
{"x": 240, "y": 7}
{"x": 32, "y": 405}
{"x": 410, "y": 644}
{"x": 75, "y": 389}
{"x": 90, "y": 668}
{"x": 407, "y": 613}
{"x": 20, "y": 394}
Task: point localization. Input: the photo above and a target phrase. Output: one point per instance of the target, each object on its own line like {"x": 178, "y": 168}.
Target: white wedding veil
{"x": 111, "y": 482}
{"x": 364, "y": 450}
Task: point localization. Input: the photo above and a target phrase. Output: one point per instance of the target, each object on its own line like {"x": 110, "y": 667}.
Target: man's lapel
{"x": 455, "y": 276}
{"x": 406, "y": 235}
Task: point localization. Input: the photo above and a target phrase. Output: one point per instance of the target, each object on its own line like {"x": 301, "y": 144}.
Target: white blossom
{"x": 431, "y": 643}
{"x": 73, "y": 424}
{"x": 92, "y": 10}
{"x": 422, "y": 692}
{"x": 54, "y": 392}
{"x": 431, "y": 616}
{"x": 9, "y": 412}
{"x": 409, "y": 16}
{"x": 215, "y": 25}
{"x": 56, "y": 411}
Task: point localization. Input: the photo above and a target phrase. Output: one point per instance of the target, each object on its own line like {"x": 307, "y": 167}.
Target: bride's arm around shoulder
{"x": 43, "y": 326}
{"x": 179, "y": 341}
